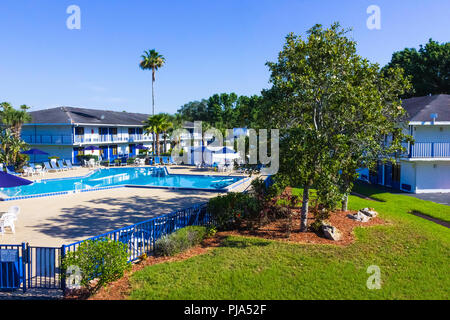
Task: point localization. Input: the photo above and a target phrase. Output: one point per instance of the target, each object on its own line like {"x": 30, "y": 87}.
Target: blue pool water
{"x": 149, "y": 176}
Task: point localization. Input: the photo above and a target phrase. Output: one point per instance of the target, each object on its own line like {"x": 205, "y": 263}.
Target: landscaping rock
{"x": 361, "y": 217}
{"x": 369, "y": 212}
{"x": 331, "y": 232}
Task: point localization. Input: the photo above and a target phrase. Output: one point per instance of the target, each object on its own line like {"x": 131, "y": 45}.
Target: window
{"x": 113, "y": 131}
{"x": 79, "y": 131}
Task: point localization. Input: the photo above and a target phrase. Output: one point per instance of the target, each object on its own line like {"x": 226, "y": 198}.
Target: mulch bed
{"x": 276, "y": 230}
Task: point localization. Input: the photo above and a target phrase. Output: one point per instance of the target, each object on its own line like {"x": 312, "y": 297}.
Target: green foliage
{"x": 412, "y": 253}
{"x": 13, "y": 119}
{"x": 157, "y": 124}
{"x": 180, "y": 240}
{"x": 333, "y": 109}
{"x": 131, "y": 160}
{"x": 11, "y": 148}
{"x": 86, "y": 157}
{"x": 428, "y": 68}
{"x": 211, "y": 231}
{"x": 222, "y": 110}
{"x": 104, "y": 259}
{"x": 229, "y": 211}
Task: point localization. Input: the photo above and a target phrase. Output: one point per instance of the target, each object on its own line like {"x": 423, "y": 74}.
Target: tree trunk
{"x": 157, "y": 143}
{"x": 165, "y": 144}
{"x": 304, "y": 214}
{"x": 153, "y": 105}
{"x": 345, "y": 203}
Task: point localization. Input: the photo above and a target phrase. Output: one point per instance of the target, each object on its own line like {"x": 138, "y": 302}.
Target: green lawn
{"x": 413, "y": 255}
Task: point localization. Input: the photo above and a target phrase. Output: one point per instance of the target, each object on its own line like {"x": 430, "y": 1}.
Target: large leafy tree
{"x": 428, "y": 67}
{"x": 222, "y": 111}
{"x": 327, "y": 101}
{"x": 152, "y": 60}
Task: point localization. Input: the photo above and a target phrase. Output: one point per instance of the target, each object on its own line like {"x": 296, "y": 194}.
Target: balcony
{"x": 429, "y": 150}
{"x": 79, "y": 139}
{"x": 48, "y": 139}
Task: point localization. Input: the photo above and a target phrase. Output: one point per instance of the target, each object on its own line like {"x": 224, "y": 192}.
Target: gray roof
{"x": 71, "y": 115}
{"x": 420, "y": 108}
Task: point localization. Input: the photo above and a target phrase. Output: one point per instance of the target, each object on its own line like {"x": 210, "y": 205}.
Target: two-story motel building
{"x": 66, "y": 132}
{"x": 425, "y": 167}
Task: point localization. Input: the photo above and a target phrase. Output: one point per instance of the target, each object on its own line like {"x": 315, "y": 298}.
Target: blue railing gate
{"x": 24, "y": 267}
{"x": 12, "y": 266}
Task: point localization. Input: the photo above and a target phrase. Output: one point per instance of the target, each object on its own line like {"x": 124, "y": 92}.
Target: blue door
{"x": 104, "y": 152}
{"x": 132, "y": 148}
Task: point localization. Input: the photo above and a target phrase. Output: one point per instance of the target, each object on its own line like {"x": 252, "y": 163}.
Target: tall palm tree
{"x": 152, "y": 60}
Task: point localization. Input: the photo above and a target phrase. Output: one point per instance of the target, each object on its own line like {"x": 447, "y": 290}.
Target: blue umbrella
{"x": 141, "y": 147}
{"x": 35, "y": 152}
{"x": 9, "y": 181}
{"x": 91, "y": 148}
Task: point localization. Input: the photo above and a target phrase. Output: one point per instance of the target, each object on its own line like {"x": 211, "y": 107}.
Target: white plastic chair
{"x": 13, "y": 212}
{"x": 7, "y": 220}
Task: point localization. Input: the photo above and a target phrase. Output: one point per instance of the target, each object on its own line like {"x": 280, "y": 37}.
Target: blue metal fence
{"x": 140, "y": 238}
{"x": 24, "y": 266}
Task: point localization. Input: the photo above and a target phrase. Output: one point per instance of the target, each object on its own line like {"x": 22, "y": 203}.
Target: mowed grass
{"x": 413, "y": 255}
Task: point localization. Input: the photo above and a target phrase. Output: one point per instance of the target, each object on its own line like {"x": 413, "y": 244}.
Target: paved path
{"x": 32, "y": 294}
{"x": 441, "y": 198}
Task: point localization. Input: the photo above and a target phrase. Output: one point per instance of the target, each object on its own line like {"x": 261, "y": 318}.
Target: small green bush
{"x": 180, "y": 240}
{"x": 105, "y": 260}
{"x": 230, "y": 210}
{"x": 86, "y": 157}
{"x": 130, "y": 160}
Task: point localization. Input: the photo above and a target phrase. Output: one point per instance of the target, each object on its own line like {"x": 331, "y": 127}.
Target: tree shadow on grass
{"x": 98, "y": 216}
{"x": 243, "y": 243}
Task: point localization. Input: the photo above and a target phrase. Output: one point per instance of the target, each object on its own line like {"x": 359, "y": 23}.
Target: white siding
{"x": 408, "y": 175}
{"x": 432, "y": 177}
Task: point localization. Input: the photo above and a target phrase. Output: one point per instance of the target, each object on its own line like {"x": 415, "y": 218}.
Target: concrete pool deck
{"x": 63, "y": 219}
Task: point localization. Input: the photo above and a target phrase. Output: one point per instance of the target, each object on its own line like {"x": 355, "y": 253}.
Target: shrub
{"x": 86, "y": 157}
{"x": 180, "y": 240}
{"x": 211, "y": 231}
{"x": 130, "y": 160}
{"x": 229, "y": 211}
{"x": 105, "y": 163}
{"x": 104, "y": 259}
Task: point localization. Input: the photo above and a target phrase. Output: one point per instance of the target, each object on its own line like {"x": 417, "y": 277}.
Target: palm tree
{"x": 14, "y": 119}
{"x": 154, "y": 124}
{"x": 152, "y": 60}
{"x": 165, "y": 125}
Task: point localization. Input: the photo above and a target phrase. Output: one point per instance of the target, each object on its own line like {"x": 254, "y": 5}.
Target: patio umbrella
{"x": 9, "y": 181}
{"x": 92, "y": 148}
{"x": 35, "y": 152}
{"x": 141, "y": 147}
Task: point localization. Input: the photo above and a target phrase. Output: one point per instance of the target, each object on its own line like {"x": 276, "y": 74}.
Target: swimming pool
{"x": 119, "y": 177}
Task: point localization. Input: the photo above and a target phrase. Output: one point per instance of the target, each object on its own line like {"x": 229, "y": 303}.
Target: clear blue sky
{"x": 210, "y": 46}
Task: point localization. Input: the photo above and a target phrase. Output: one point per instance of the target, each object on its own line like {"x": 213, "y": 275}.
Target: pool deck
{"x": 63, "y": 219}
